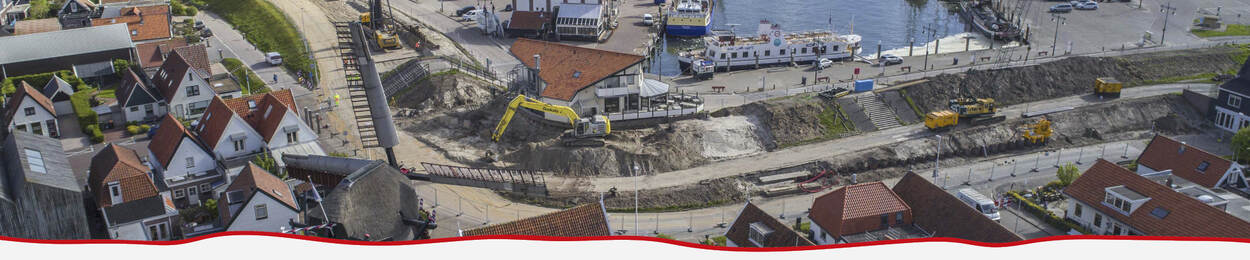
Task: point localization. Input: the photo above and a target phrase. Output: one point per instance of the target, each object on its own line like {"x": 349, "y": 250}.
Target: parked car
{"x": 466, "y": 9}
{"x": 507, "y": 8}
{"x": 824, "y": 63}
{"x": 1091, "y": 5}
{"x": 206, "y": 33}
{"x": 199, "y": 25}
{"x": 890, "y": 59}
{"x": 471, "y": 15}
{"x": 1061, "y": 8}
{"x": 648, "y": 19}
{"x": 273, "y": 58}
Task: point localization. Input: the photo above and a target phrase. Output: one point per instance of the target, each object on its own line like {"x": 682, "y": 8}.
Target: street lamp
{"x": 1167, "y": 11}
{"x": 937, "y": 158}
{"x": 636, "y": 199}
{"x": 1059, "y": 19}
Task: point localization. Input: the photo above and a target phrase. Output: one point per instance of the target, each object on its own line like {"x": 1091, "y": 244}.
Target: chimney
{"x": 538, "y": 62}
{"x": 1169, "y": 181}
{"x": 1182, "y": 150}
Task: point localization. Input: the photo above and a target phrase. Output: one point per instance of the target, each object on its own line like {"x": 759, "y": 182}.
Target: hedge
{"x": 263, "y": 25}
{"x": 93, "y": 130}
{"x": 82, "y": 109}
{"x": 39, "y": 80}
{"x": 1050, "y": 217}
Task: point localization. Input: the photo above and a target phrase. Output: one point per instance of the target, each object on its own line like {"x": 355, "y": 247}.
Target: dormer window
{"x": 759, "y": 233}
{"x": 1234, "y": 101}
{"x": 1123, "y": 199}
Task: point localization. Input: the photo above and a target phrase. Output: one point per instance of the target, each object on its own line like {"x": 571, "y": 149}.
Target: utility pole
{"x": 1059, "y": 19}
{"x": 636, "y": 229}
{"x": 930, "y": 31}
{"x": 1167, "y": 11}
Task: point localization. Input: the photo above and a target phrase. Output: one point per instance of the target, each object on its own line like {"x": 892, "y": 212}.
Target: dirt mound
{"x": 690, "y": 196}
{"x": 1071, "y": 76}
{"x": 788, "y": 120}
{"x": 446, "y": 93}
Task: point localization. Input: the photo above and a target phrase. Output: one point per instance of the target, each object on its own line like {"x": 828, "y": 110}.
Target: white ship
{"x": 770, "y": 46}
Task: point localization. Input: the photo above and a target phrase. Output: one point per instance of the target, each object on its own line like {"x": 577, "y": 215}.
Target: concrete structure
{"x": 1191, "y": 163}
{"x": 185, "y": 90}
{"x": 860, "y": 213}
{"x": 182, "y": 164}
{"x": 132, "y": 207}
{"x": 27, "y": 110}
{"x": 39, "y": 196}
{"x": 256, "y": 200}
{"x": 1111, "y": 200}
{"x": 137, "y": 101}
{"x": 60, "y": 50}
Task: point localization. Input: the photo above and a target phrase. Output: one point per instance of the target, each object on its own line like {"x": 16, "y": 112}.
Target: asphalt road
{"x": 229, "y": 43}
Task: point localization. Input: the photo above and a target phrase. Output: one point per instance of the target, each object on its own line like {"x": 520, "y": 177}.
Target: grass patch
{"x": 1175, "y": 79}
{"x": 1231, "y": 30}
{"x": 107, "y": 93}
{"x": 248, "y": 81}
{"x": 673, "y": 208}
{"x": 832, "y": 119}
{"x": 267, "y": 28}
{"x": 911, "y": 103}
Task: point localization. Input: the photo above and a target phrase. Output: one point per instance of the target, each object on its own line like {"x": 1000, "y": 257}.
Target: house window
{"x": 722, "y": 56}
{"x": 36, "y": 128}
{"x": 261, "y": 212}
{"x": 803, "y": 50}
{"x": 21, "y": 128}
{"x": 768, "y": 53}
{"x": 1126, "y": 206}
{"x": 733, "y": 55}
{"x": 612, "y": 105}
{"x": 35, "y": 159}
{"x": 758, "y": 233}
{"x": 178, "y": 194}
{"x": 190, "y": 162}
{"x": 51, "y": 127}
{"x": 885, "y": 220}
{"x": 134, "y": 109}
{"x": 205, "y": 187}
{"x": 745, "y": 54}
{"x": 1097, "y": 220}
{"x": 114, "y": 189}
{"x": 1234, "y": 101}
{"x": 193, "y": 91}
{"x": 835, "y": 48}
{"x": 158, "y": 231}
{"x": 234, "y": 197}
{"x": 238, "y": 145}
{"x": 1115, "y": 229}
{"x": 30, "y": 111}
{"x": 1078, "y": 210}
{"x": 292, "y": 137}
{"x": 134, "y": 32}
{"x": 898, "y": 218}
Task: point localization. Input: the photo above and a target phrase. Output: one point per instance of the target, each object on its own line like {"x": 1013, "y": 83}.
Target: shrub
{"x": 132, "y": 129}
{"x": 93, "y": 130}
{"x": 144, "y": 128}
{"x": 81, "y": 102}
{"x": 120, "y": 66}
{"x": 1067, "y": 174}
{"x": 39, "y": 80}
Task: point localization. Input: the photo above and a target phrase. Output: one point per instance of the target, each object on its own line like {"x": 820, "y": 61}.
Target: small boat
{"x": 982, "y": 18}
{"x": 770, "y": 46}
{"x": 688, "y": 18}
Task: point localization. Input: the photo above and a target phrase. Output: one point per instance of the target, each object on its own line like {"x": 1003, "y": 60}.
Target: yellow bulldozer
{"x": 384, "y": 33}
{"x": 1038, "y": 132}
{"x": 1107, "y": 87}
{"x": 586, "y": 131}
{"x": 977, "y": 110}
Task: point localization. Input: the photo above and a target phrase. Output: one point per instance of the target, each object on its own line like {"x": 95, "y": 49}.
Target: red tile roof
{"x": 253, "y": 179}
{"x": 214, "y": 122}
{"x": 152, "y": 54}
{"x": 119, "y": 164}
{"x": 1165, "y": 153}
{"x": 174, "y": 69}
{"x": 580, "y": 221}
{"x": 281, "y": 101}
{"x": 168, "y": 136}
{"x": 568, "y": 69}
{"x": 197, "y": 56}
{"x": 1186, "y": 216}
{"x": 527, "y": 20}
{"x": 144, "y": 22}
{"x": 15, "y": 101}
{"x": 782, "y": 235}
{"x": 944, "y": 215}
{"x": 852, "y": 202}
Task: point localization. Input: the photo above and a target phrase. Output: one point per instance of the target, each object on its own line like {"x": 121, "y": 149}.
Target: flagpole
{"x": 317, "y": 197}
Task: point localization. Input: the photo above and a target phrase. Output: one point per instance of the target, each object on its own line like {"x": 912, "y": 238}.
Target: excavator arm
{"x": 522, "y": 101}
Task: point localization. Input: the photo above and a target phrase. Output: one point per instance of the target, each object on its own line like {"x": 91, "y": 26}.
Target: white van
{"x": 273, "y": 58}
{"x": 979, "y": 202}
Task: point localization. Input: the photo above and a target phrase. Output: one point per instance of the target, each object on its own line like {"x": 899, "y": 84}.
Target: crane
{"x": 586, "y": 131}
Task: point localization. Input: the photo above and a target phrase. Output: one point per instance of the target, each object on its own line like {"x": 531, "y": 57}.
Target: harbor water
{"x": 893, "y": 24}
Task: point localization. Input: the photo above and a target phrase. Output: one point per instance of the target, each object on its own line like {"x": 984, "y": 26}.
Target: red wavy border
{"x": 634, "y": 238}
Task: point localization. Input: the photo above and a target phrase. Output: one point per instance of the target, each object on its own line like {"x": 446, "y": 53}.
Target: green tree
{"x": 1241, "y": 144}
{"x": 120, "y": 66}
{"x": 266, "y": 161}
{"x": 1068, "y": 173}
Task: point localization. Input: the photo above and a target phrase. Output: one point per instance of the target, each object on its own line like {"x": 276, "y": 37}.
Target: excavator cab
{"x": 973, "y": 107}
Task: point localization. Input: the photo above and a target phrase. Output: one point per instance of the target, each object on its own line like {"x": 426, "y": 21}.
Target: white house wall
{"x": 139, "y": 115}
{"x": 129, "y": 231}
{"x": 278, "y": 215}
{"x": 178, "y": 164}
{"x": 305, "y": 133}
{"x": 41, "y": 116}
{"x": 1086, "y": 219}
{"x": 181, "y": 100}
{"x": 251, "y": 144}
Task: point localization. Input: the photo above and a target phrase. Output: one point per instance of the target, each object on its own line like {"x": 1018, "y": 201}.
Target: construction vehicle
{"x": 586, "y": 131}
{"x": 973, "y": 107}
{"x": 383, "y": 31}
{"x": 1037, "y": 133}
{"x": 978, "y": 110}
{"x": 1107, "y": 87}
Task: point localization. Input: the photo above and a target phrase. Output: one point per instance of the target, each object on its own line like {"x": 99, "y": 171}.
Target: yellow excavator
{"x": 586, "y": 131}
{"x": 1037, "y": 133}
{"x": 383, "y": 31}
{"x": 978, "y": 110}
